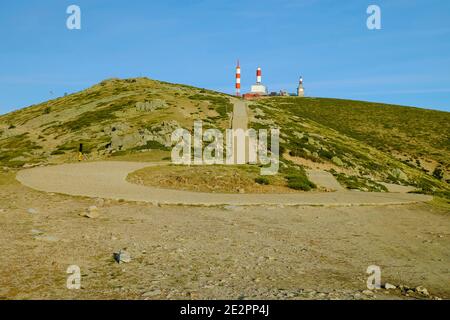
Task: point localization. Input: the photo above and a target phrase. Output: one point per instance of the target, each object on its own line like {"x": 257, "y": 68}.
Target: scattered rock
{"x": 91, "y": 212}
{"x": 389, "y": 286}
{"x": 152, "y": 293}
{"x": 122, "y": 256}
{"x": 46, "y": 238}
{"x": 32, "y": 211}
{"x": 337, "y": 161}
{"x": 99, "y": 202}
{"x": 124, "y": 141}
{"x": 36, "y": 231}
{"x": 151, "y": 106}
{"x": 399, "y": 174}
{"x": 423, "y": 291}
{"x": 356, "y": 296}
{"x": 368, "y": 292}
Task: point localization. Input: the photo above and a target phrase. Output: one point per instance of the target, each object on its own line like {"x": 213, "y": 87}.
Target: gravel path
{"x": 324, "y": 179}
{"x": 107, "y": 179}
{"x": 240, "y": 117}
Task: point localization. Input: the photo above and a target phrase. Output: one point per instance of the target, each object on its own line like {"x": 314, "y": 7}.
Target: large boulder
{"x": 161, "y": 133}
{"x": 124, "y": 142}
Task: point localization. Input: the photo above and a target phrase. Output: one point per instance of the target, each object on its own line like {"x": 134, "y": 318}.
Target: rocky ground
{"x": 231, "y": 252}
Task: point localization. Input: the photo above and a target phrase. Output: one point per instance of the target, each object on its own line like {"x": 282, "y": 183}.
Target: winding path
{"x": 107, "y": 179}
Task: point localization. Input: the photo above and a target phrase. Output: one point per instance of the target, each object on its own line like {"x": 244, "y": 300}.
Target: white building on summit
{"x": 300, "y": 89}
{"x": 258, "y": 87}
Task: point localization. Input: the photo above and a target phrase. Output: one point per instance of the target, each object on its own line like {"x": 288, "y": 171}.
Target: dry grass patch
{"x": 213, "y": 178}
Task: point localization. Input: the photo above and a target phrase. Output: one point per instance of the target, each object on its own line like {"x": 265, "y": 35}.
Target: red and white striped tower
{"x": 258, "y": 75}
{"x": 238, "y": 80}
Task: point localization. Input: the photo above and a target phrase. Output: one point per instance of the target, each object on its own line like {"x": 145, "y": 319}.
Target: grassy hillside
{"x": 404, "y": 131}
{"x": 359, "y": 141}
{"x": 110, "y": 118}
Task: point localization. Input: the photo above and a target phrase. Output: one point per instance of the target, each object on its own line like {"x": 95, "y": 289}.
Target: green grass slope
{"x": 361, "y": 142}
{"x": 108, "y": 113}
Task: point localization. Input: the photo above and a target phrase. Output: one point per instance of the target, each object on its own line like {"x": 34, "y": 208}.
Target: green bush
{"x": 262, "y": 180}
{"x": 152, "y": 145}
{"x": 438, "y": 173}
{"x": 56, "y": 152}
{"x": 298, "y": 182}
{"x": 325, "y": 154}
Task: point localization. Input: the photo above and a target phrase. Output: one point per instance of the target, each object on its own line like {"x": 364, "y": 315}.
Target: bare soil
{"x": 188, "y": 252}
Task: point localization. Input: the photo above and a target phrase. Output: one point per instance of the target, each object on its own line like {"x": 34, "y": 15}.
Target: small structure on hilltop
{"x": 300, "y": 89}
{"x": 258, "y": 89}
{"x": 238, "y": 79}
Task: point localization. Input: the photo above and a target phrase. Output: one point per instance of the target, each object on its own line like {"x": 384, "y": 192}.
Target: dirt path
{"x": 186, "y": 252}
{"x": 325, "y": 180}
{"x": 107, "y": 179}
{"x": 240, "y": 116}
{"x": 240, "y": 121}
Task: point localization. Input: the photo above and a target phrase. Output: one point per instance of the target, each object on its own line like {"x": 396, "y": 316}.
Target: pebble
{"x": 91, "y": 212}
{"x": 368, "y": 292}
{"x": 389, "y": 286}
{"x": 32, "y": 211}
{"x": 122, "y": 256}
{"x": 100, "y": 202}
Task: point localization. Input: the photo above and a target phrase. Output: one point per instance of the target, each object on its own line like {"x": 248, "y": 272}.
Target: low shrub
{"x": 298, "y": 182}
{"x": 262, "y": 180}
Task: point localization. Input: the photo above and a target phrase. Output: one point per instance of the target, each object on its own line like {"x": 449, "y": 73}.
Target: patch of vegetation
{"x": 221, "y": 104}
{"x": 298, "y": 182}
{"x": 262, "y": 180}
{"x": 359, "y": 183}
{"x": 385, "y": 127}
{"x": 73, "y": 146}
{"x": 438, "y": 173}
{"x": 57, "y": 152}
{"x": 151, "y": 145}
{"x": 295, "y": 177}
{"x": 300, "y": 152}
{"x": 211, "y": 178}
{"x": 16, "y": 147}
{"x": 99, "y": 115}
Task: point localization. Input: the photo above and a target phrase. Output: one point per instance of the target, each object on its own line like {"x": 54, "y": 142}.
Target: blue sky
{"x": 197, "y": 42}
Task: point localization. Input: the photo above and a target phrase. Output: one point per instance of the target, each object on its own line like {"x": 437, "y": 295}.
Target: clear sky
{"x": 198, "y": 42}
